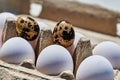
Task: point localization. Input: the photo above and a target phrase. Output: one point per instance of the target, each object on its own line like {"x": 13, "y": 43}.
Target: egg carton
{"x": 27, "y": 71}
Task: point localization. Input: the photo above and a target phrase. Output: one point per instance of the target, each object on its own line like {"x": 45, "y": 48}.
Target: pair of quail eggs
{"x": 28, "y": 28}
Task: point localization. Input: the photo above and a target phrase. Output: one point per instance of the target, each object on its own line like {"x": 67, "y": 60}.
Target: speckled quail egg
{"x": 27, "y": 27}
{"x": 64, "y": 33}
{"x": 54, "y": 59}
{"x": 15, "y": 50}
{"x": 71, "y": 48}
{"x": 4, "y": 16}
{"x": 95, "y": 68}
{"x": 110, "y": 50}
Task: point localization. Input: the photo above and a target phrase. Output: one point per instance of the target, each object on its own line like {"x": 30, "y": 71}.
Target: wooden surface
{"x": 85, "y": 16}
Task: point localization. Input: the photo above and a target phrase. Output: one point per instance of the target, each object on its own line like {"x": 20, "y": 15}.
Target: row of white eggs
{"x": 55, "y": 59}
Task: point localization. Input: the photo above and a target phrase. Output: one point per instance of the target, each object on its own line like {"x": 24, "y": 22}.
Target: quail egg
{"x": 63, "y": 33}
{"x": 27, "y": 27}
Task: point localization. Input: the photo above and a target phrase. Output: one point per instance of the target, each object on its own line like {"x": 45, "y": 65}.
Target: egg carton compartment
{"x": 26, "y": 70}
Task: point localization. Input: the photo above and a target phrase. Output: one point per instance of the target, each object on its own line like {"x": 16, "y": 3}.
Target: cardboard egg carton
{"x": 117, "y": 75}
{"x": 27, "y": 71}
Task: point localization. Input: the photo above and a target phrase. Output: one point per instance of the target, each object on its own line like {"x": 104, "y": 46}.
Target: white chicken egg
{"x": 95, "y": 68}
{"x": 15, "y": 50}
{"x": 42, "y": 25}
{"x": 0, "y": 38}
{"x": 71, "y": 48}
{"x": 4, "y": 16}
{"x": 110, "y": 50}
{"x": 54, "y": 59}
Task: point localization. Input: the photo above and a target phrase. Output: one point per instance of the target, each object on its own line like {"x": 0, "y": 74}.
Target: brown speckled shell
{"x": 63, "y": 34}
{"x": 27, "y": 27}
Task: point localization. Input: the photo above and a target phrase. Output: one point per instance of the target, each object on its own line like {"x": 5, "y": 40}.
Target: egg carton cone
{"x": 45, "y": 40}
{"x": 82, "y": 51}
{"x": 26, "y": 70}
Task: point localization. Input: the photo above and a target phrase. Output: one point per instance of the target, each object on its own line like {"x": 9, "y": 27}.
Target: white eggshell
{"x": 42, "y": 25}
{"x": 95, "y": 68}
{"x": 4, "y": 16}
{"x": 71, "y": 49}
{"x": 0, "y": 38}
{"x": 15, "y": 50}
{"x": 110, "y": 50}
{"x": 54, "y": 59}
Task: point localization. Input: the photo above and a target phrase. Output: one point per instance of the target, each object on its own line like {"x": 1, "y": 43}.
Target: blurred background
{"x": 97, "y": 15}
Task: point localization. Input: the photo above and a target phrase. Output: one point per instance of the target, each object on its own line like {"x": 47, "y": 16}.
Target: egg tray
{"x": 27, "y": 71}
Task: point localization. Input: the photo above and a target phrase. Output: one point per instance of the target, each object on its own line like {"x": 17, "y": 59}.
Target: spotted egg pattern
{"x": 27, "y": 28}
{"x": 63, "y": 33}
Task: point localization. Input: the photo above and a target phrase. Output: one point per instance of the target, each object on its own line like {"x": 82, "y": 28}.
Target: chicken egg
{"x": 110, "y": 50}
{"x": 4, "y": 16}
{"x": 42, "y": 25}
{"x": 15, "y": 50}
{"x": 0, "y": 38}
{"x": 54, "y": 59}
{"x": 95, "y": 68}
